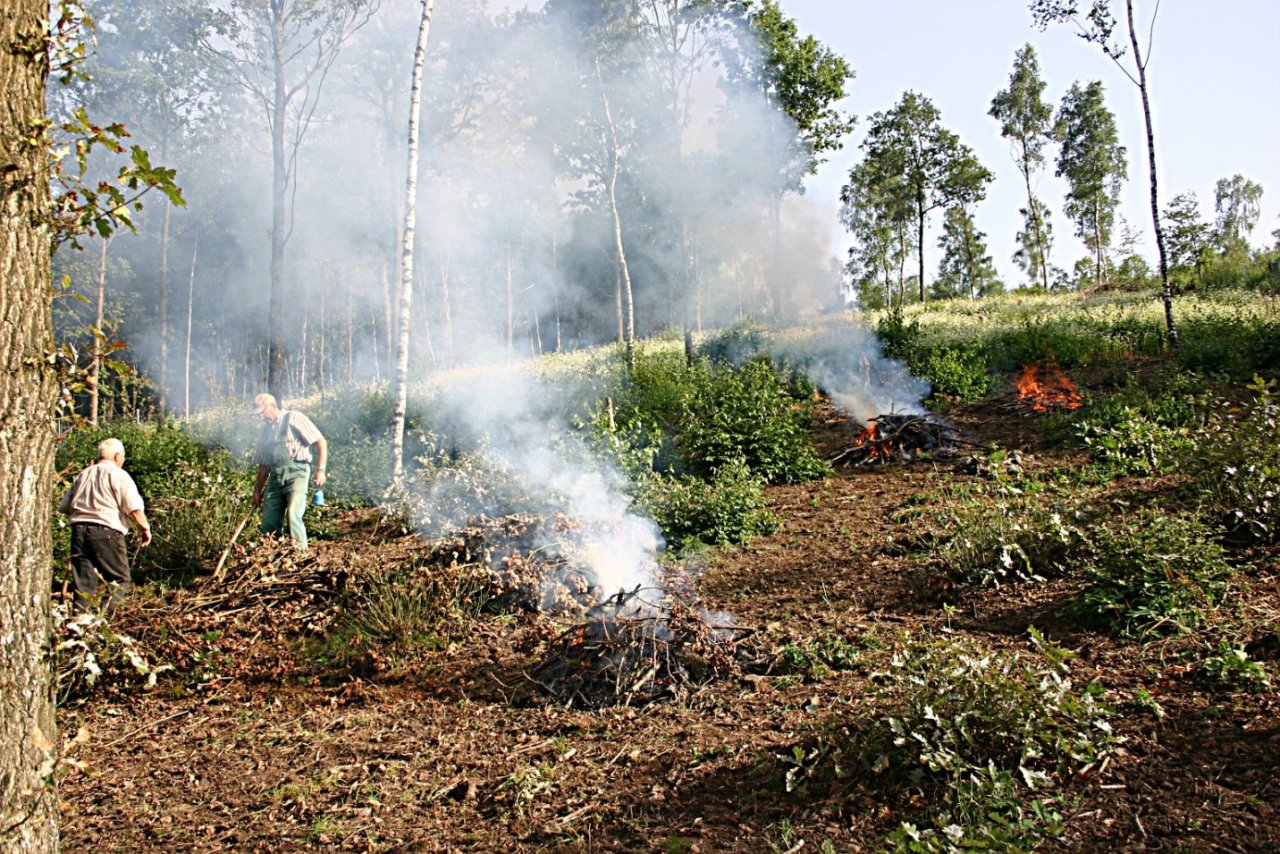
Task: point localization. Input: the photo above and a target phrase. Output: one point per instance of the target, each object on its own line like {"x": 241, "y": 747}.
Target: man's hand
{"x": 319, "y": 477}
{"x": 257, "y": 499}
{"x": 144, "y": 536}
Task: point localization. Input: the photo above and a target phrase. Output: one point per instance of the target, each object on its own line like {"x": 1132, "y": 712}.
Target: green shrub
{"x": 976, "y": 731}
{"x": 899, "y": 339}
{"x": 735, "y": 345}
{"x": 1018, "y": 538}
{"x": 817, "y": 658}
{"x": 1230, "y": 667}
{"x": 1238, "y": 344}
{"x": 1135, "y": 444}
{"x": 955, "y": 370}
{"x": 747, "y": 415}
{"x": 1238, "y": 464}
{"x": 729, "y": 508}
{"x": 1151, "y": 571}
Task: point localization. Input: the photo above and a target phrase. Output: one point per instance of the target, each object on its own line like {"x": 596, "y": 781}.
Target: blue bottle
{"x": 318, "y": 498}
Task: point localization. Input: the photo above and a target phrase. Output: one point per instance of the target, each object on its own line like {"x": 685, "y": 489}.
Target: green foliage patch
{"x": 1151, "y": 571}
{"x": 985, "y": 735}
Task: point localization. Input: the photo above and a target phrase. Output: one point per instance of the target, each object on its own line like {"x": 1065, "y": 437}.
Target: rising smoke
{"x": 516, "y": 242}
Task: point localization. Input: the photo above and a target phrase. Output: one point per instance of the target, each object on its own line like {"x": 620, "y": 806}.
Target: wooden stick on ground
{"x": 222, "y": 561}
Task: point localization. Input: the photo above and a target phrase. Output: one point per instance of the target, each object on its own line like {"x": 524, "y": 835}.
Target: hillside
{"x": 260, "y": 740}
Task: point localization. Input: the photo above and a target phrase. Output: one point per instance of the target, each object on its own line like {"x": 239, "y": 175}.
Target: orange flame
{"x": 877, "y": 449}
{"x": 1044, "y": 387}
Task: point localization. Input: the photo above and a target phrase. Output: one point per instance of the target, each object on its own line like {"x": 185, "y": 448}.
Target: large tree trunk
{"x": 28, "y": 801}
{"x": 279, "y": 186}
{"x": 1166, "y": 294}
{"x": 406, "y": 254}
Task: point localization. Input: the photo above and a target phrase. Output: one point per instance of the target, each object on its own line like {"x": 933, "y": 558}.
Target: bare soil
{"x": 253, "y": 744}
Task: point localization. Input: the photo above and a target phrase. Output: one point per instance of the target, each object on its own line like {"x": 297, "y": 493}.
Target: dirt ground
{"x": 250, "y": 745}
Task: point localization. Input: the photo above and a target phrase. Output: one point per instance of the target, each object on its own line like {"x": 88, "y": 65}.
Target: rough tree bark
{"x": 28, "y": 802}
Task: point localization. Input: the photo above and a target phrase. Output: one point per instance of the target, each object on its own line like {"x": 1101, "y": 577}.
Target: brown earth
{"x": 251, "y": 745}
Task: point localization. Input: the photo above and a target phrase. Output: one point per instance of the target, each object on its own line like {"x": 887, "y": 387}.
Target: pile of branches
{"x": 898, "y": 438}
{"x": 271, "y": 584}
{"x": 632, "y": 652}
{"x": 533, "y": 562}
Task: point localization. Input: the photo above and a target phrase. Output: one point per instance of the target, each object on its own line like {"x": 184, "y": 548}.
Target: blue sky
{"x": 1214, "y": 77}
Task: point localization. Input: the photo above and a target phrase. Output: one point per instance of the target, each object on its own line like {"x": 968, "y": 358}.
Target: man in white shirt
{"x": 100, "y": 502}
{"x": 284, "y": 456}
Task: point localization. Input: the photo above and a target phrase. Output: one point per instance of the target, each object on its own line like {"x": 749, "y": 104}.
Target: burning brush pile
{"x": 900, "y": 438}
{"x": 633, "y": 651}
{"x": 632, "y": 646}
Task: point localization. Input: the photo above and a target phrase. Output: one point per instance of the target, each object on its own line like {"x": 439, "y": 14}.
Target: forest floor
{"x": 250, "y": 744}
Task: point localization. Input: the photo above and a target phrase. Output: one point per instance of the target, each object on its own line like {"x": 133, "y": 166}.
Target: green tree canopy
{"x": 1092, "y": 160}
{"x": 914, "y": 166}
{"x": 1026, "y": 120}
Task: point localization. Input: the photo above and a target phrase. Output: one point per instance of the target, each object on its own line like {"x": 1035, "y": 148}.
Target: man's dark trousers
{"x": 97, "y": 550}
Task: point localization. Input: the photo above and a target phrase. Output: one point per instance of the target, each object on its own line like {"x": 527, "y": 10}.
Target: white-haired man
{"x": 284, "y": 456}
{"x": 100, "y": 502}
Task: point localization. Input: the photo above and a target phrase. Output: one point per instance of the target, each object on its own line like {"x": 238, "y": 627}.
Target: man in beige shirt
{"x": 100, "y": 502}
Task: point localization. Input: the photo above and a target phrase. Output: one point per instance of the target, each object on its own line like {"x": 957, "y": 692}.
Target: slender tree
{"x": 28, "y": 753}
{"x": 279, "y": 52}
{"x": 1187, "y": 235}
{"x": 406, "y": 252}
{"x": 1098, "y": 26}
{"x": 1092, "y": 160}
{"x": 804, "y": 80}
{"x": 1026, "y": 120}
{"x": 147, "y": 73}
{"x": 966, "y": 269}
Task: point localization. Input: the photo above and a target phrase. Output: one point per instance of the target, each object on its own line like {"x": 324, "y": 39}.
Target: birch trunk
{"x": 410, "y": 225}
{"x": 186, "y": 358}
{"x": 615, "y": 157}
{"x": 95, "y": 369}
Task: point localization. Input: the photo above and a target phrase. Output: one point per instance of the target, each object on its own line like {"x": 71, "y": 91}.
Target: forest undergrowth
{"x": 1065, "y": 635}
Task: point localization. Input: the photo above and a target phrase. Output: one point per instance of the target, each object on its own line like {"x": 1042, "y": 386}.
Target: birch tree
{"x": 1026, "y": 120}
{"x": 406, "y": 250}
{"x": 1098, "y": 26}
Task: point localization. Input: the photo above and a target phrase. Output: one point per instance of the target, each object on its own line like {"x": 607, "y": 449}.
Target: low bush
{"x": 735, "y": 345}
{"x": 747, "y": 415}
{"x": 1238, "y": 465}
{"x": 396, "y": 617}
{"x": 1013, "y": 538}
{"x": 1231, "y": 667}
{"x": 817, "y": 658}
{"x": 978, "y": 732}
{"x": 954, "y": 370}
{"x": 728, "y": 508}
{"x": 1152, "y": 571}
